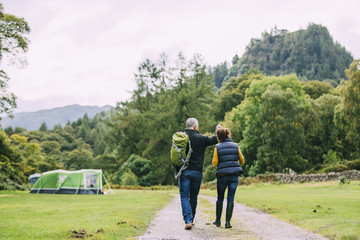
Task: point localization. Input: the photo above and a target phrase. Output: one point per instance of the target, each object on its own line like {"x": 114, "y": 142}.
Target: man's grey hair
{"x": 191, "y": 122}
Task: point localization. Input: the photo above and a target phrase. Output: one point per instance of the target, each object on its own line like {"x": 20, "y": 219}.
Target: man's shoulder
{"x": 192, "y": 132}
{"x": 195, "y": 133}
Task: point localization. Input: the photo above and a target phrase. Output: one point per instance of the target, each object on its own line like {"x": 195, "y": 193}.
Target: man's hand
{"x": 219, "y": 125}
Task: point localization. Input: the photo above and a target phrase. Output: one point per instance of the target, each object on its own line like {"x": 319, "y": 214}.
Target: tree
{"x": 51, "y": 147}
{"x": 232, "y": 93}
{"x": 270, "y": 125}
{"x": 220, "y": 72}
{"x": 33, "y": 157}
{"x": 311, "y": 121}
{"x": 283, "y": 139}
{"x": 79, "y": 159}
{"x": 7, "y": 100}
{"x": 43, "y": 127}
{"x": 9, "y": 130}
{"x": 12, "y": 168}
{"x": 109, "y": 163}
{"x": 13, "y": 42}
{"x": 166, "y": 95}
{"x": 235, "y": 59}
{"x": 327, "y": 133}
{"x": 316, "y": 88}
{"x": 351, "y": 107}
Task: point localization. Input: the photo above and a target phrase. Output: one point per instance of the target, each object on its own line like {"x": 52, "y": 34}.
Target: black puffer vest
{"x": 228, "y": 155}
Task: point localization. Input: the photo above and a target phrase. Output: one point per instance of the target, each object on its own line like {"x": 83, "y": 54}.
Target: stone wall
{"x": 292, "y": 178}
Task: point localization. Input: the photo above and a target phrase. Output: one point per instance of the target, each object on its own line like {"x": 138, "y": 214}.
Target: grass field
{"x": 47, "y": 216}
{"x": 328, "y": 208}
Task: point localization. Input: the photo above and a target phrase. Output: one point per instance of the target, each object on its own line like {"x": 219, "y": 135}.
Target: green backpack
{"x": 180, "y": 152}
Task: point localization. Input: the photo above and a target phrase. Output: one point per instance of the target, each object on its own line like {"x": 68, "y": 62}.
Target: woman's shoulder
{"x": 227, "y": 143}
{"x": 230, "y": 141}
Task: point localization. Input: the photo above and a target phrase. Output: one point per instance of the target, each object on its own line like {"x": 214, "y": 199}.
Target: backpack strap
{"x": 183, "y": 167}
{"x": 190, "y": 150}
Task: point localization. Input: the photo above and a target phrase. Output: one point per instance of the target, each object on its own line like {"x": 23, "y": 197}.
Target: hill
{"x": 310, "y": 53}
{"x": 52, "y": 117}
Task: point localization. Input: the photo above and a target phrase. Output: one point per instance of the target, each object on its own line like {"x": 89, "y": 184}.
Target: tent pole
{"x": 77, "y": 190}
{"x": 38, "y": 190}
{"x": 107, "y": 182}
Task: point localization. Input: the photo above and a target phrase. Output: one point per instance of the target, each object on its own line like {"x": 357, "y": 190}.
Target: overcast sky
{"x": 86, "y": 51}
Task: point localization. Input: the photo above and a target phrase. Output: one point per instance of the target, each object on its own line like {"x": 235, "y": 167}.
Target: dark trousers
{"x": 229, "y": 182}
{"x": 189, "y": 186}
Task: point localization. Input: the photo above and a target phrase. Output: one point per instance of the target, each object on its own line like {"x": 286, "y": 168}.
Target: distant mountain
{"x": 311, "y": 54}
{"x": 52, "y": 117}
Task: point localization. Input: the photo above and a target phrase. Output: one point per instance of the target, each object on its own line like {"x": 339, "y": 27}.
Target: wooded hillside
{"x": 310, "y": 53}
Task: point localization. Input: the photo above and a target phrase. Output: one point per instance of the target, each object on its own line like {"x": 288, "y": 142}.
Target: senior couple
{"x": 227, "y": 158}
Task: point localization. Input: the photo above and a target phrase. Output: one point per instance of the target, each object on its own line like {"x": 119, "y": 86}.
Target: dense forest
{"x": 282, "y": 118}
{"x": 280, "y": 122}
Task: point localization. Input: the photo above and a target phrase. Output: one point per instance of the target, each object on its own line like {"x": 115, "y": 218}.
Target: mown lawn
{"x": 328, "y": 208}
{"x": 123, "y": 215}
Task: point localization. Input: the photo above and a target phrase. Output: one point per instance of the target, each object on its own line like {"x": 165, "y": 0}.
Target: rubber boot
{"x": 219, "y": 207}
{"x": 229, "y": 212}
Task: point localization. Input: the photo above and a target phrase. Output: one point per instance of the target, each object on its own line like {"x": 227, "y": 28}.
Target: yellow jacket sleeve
{"x": 241, "y": 158}
{"x": 215, "y": 160}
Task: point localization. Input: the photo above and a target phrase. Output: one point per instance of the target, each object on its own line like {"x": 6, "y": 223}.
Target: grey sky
{"x": 86, "y": 51}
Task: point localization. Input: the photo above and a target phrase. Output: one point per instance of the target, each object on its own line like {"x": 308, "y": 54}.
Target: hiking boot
{"x": 219, "y": 207}
{"x": 229, "y": 212}
{"x": 188, "y": 226}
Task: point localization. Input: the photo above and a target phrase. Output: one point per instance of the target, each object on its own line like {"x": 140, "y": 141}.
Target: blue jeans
{"x": 230, "y": 182}
{"x": 189, "y": 186}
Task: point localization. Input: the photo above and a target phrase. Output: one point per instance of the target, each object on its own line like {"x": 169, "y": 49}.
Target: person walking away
{"x": 228, "y": 158}
{"x": 190, "y": 179}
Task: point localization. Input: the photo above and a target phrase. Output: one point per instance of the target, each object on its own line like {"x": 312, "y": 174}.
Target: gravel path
{"x": 247, "y": 223}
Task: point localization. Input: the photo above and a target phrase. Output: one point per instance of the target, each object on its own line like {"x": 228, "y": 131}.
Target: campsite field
{"x": 48, "y": 216}
{"x": 329, "y": 208}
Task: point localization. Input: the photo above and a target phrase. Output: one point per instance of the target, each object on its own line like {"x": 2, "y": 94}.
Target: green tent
{"x": 85, "y": 181}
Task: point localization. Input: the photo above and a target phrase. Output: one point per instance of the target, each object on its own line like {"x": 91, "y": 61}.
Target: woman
{"x": 228, "y": 158}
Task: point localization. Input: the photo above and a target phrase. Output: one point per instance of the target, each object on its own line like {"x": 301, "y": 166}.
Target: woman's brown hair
{"x": 222, "y": 134}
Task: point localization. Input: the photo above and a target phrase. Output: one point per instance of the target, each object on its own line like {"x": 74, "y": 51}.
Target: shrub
{"x": 129, "y": 178}
{"x": 335, "y": 168}
{"x": 331, "y": 158}
{"x": 249, "y": 180}
{"x": 209, "y": 173}
{"x": 209, "y": 185}
{"x": 353, "y": 164}
{"x": 142, "y": 168}
{"x": 342, "y": 180}
{"x": 333, "y": 162}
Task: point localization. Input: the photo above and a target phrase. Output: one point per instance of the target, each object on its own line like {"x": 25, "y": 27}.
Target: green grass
{"x": 337, "y": 205}
{"x": 49, "y": 216}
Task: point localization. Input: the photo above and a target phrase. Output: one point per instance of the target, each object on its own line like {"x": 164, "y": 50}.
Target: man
{"x": 190, "y": 179}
